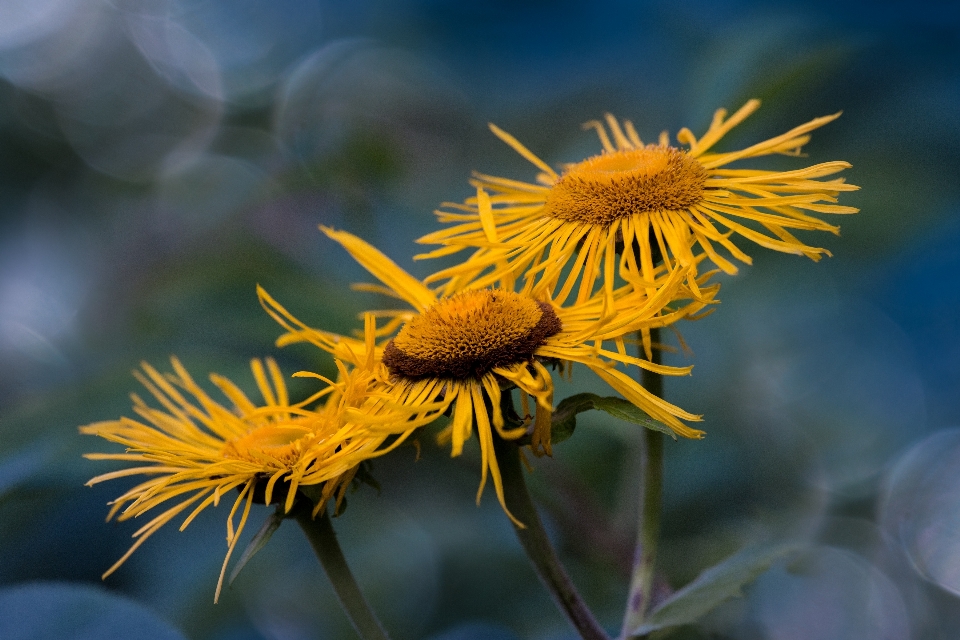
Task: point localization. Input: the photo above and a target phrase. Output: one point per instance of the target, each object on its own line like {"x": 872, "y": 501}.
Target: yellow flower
{"x": 465, "y": 350}
{"x": 195, "y": 450}
{"x": 662, "y": 201}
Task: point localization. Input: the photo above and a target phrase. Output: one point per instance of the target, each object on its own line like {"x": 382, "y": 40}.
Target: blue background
{"x": 159, "y": 158}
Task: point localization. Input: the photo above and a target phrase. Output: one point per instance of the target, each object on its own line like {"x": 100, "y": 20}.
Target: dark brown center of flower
{"x": 470, "y": 333}
{"x": 615, "y": 185}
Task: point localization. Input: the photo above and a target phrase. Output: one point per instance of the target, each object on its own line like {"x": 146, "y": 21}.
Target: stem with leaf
{"x": 537, "y": 545}
{"x": 323, "y": 539}
{"x": 651, "y": 503}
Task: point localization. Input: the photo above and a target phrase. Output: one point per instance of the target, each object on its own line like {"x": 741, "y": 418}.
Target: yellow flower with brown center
{"x": 642, "y": 205}
{"x": 195, "y": 450}
{"x": 466, "y": 350}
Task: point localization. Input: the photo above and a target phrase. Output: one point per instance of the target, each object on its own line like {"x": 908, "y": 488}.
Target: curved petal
{"x": 405, "y": 285}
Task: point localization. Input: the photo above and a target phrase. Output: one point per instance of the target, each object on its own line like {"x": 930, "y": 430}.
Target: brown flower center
{"x": 470, "y": 333}
{"x": 610, "y": 186}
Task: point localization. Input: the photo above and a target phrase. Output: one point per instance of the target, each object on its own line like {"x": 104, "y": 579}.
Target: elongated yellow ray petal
{"x": 408, "y": 287}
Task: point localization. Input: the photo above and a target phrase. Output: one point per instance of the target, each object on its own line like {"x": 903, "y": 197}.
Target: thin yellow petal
{"x": 522, "y": 150}
{"x": 408, "y": 287}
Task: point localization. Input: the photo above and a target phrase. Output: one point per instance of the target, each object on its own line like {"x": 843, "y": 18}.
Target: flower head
{"x": 471, "y": 333}
{"x": 642, "y": 205}
{"x": 195, "y": 450}
{"x": 468, "y": 350}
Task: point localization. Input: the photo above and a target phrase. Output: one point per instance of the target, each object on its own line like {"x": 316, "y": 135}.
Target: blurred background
{"x": 159, "y": 158}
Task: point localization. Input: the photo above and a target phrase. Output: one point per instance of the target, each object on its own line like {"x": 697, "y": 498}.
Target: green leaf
{"x": 364, "y": 475}
{"x": 44, "y": 610}
{"x": 625, "y": 410}
{"x": 259, "y": 541}
{"x": 565, "y": 416}
{"x": 313, "y": 491}
{"x": 564, "y": 419}
{"x": 714, "y": 586}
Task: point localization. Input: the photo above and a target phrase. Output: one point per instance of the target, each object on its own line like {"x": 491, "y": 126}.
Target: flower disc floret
{"x": 469, "y": 334}
{"x": 611, "y": 186}
{"x": 281, "y": 444}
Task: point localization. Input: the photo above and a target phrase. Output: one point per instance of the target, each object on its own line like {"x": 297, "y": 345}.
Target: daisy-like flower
{"x": 195, "y": 450}
{"x": 659, "y": 200}
{"x": 466, "y": 350}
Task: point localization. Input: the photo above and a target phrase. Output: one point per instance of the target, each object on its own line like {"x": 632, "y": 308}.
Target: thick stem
{"x": 323, "y": 539}
{"x": 651, "y": 504}
{"x": 534, "y": 539}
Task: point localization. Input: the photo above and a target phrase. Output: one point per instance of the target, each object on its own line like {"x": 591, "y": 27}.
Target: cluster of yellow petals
{"x": 464, "y": 351}
{"x": 562, "y": 271}
{"x": 196, "y": 450}
{"x": 640, "y": 206}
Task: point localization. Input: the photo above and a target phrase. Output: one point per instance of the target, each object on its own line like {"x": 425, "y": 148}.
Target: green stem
{"x": 323, "y": 539}
{"x": 651, "y": 505}
{"x": 534, "y": 540}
